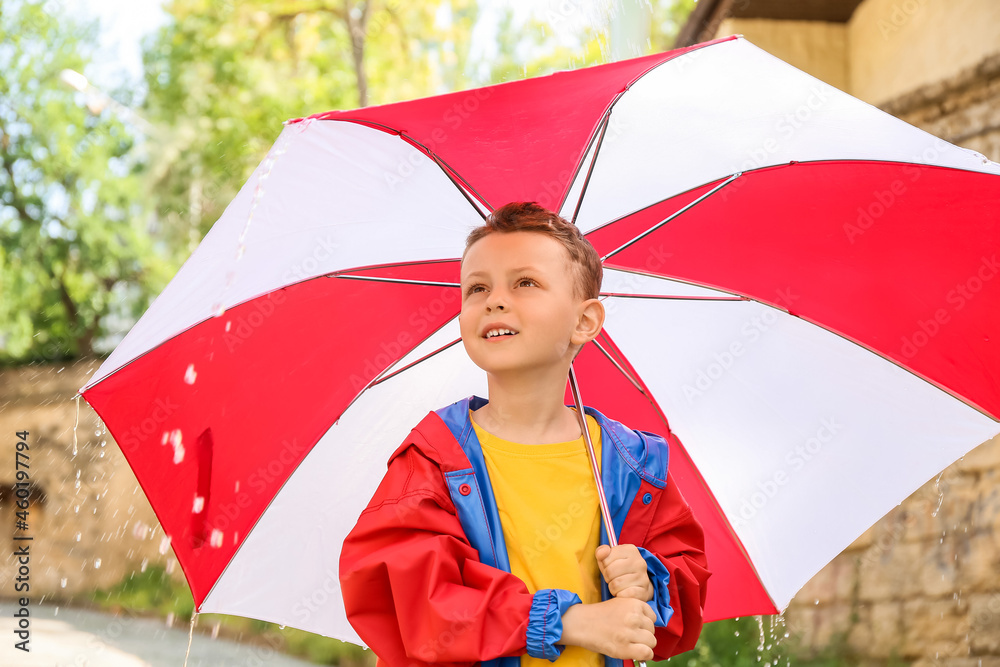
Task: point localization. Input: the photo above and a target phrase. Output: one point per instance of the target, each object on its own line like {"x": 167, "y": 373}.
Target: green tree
{"x": 222, "y": 77}
{"x": 73, "y": 250}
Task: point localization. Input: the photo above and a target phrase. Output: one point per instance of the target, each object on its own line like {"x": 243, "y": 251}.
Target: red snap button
{"x": 465, "y": 489}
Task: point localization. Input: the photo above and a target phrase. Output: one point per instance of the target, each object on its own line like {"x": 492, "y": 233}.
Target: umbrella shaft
{"x": 602, "y": 500}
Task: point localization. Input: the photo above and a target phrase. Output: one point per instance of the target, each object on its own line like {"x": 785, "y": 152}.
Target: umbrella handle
{"x": 602, "y": 500}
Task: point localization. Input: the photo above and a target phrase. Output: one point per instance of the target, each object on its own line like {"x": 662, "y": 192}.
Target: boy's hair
{"x": 531, "y": 217}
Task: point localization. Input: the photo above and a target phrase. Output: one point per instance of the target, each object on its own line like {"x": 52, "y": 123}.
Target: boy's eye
{"x": 526, "y": 281}
{"x": 474, "y": 288}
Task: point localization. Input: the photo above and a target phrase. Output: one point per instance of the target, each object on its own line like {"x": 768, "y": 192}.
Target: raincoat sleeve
{"x": 674, "y": 551}
{"x": 415, "y": 590}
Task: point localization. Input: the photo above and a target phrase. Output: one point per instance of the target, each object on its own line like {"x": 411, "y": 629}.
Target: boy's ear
{"x": 589, "y": 322}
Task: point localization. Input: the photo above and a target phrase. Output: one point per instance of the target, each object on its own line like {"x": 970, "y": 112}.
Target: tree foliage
{"x": 222, "y": 77}
{"x": 83, "y": 196}
{"x": 73, "y": 250}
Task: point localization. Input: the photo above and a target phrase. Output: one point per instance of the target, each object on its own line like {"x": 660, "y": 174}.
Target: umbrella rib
{"x": 675, "y": 297}
{"x": 407, "y": 281}
{"x": 621, "y": 370}
{"x": 451, "y": 174}
{"x": 427, "y": 356}
{"x": 590, "y": 168}
{"x": 674, "y": 215}
{"x": 444, "y": 166}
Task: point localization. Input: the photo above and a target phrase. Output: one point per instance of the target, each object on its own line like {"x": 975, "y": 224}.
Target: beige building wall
{"x": 897, "y": 46}
{"x": 889, "y": 47}
{"x": 815, "y": 47}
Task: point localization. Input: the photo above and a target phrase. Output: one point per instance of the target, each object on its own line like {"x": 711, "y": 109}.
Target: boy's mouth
{"x": 498, "y": 331}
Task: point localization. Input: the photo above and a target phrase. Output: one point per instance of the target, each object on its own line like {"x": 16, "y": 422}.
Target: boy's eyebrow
{"x": 516, "y": 269}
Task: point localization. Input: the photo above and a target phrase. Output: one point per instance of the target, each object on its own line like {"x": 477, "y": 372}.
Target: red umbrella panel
{"x": 801, "y": 295}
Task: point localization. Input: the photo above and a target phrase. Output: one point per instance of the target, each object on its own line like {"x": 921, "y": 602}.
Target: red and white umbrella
{"x": 802, "y": 286}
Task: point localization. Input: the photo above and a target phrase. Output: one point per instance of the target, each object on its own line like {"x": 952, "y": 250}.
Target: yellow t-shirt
{"x": 548, "y": 506}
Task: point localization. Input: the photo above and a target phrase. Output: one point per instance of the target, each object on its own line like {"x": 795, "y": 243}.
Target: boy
{"x": 481, "y": 542}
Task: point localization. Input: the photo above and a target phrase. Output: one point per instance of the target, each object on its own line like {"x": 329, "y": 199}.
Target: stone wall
{"x": 923, "y": 584}
{"x": 90, "y": 522}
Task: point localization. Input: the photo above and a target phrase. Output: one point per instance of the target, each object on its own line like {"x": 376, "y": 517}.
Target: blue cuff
{"x": 660, "y": 578}
{"x": 545, "y": 621}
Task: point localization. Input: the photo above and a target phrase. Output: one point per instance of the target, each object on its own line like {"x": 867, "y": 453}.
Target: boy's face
{"x": 523, "y": 281}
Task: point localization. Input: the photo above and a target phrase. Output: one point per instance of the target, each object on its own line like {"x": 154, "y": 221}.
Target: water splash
{"x": 281, "y": 147}
{"x": 194, "y": 619}
{"x": 940, "y": 492}
{"x": 76, "y": 423}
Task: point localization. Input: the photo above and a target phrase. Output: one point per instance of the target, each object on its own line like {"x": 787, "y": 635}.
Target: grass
{"x": 155, "y": 592}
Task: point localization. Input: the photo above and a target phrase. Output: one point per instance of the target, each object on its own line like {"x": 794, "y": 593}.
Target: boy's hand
{"x": 625, "y": 571}
{"x": 620, "y": 628}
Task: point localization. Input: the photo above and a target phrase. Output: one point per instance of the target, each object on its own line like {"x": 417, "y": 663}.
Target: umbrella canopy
{"x": 800, "y": 289}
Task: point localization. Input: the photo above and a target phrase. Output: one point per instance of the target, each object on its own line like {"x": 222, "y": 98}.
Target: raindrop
{"x": 164, "y": 544}
{"x": 97, "y": 563}
{"x": 237, "y": 486}
{"x": 62, "y": 583}
{"x": 144, "y": 565}
{"x": 175, "y": 440}
{"x": 215, "y": 630}
{"x": 216, "y": 539}
{"x": 199, "y": 505}
{"x": 170, "y": 619}
{"x": 169, "y": 567}
{"x": 190, "y": 375}
{"x": 218, "y": 309}
{"x": 78, "y": 536}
